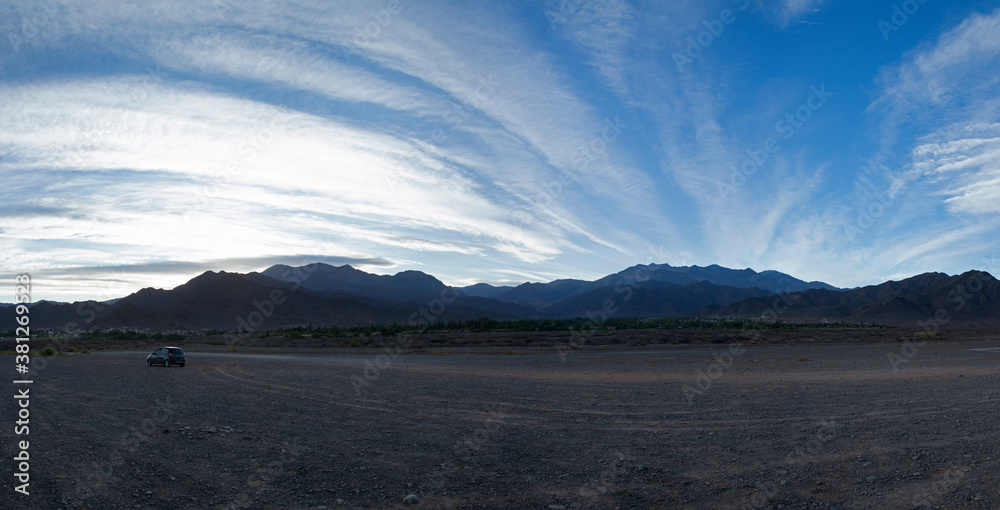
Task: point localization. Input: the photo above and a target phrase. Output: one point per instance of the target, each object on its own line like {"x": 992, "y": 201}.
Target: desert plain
{"x": 825, "y": 419}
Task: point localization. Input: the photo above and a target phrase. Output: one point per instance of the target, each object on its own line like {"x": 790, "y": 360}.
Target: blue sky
{"x": 846, "y": 141}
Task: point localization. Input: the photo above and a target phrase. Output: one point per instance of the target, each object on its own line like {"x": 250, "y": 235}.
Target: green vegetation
{"x": 132, "y": 335}
{"x": 525, "y": 325}
{"x": 475, "y": 325}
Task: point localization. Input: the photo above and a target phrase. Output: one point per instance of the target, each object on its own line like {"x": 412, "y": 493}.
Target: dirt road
{"x": 721, "y": 426}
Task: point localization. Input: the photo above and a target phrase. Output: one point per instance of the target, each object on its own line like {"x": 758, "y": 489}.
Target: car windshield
{"x": 177, "y": 351}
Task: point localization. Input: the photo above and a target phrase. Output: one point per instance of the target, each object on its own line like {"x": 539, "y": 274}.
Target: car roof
{"x": 169, "y": 347}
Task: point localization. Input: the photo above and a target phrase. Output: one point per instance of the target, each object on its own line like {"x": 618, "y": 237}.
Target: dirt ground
{"x": 738, "y": 424}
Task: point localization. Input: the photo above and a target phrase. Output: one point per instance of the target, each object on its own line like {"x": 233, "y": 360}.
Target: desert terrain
{"x": 740, "y": 421}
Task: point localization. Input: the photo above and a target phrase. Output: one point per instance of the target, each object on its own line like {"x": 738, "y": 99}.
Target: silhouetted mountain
{"x": 540, "y": 295}
{"x": 414, "y": 288}
{"x": 823, "y": 303}
{"x": 130, "y": 316}
{"x": 650, "y": 299}
{"x": 46, "y": 314}
{"x": 254, "y": 301}
{"x": 406, "y": 285}
{"x": 484, "y": 290}
{"x": 4, "y": 305}
{"x": 773, "y": 281}
{"x": 326, "y": 295}
{"x": 231, "y": 300}
{"x": 969, "y": 299}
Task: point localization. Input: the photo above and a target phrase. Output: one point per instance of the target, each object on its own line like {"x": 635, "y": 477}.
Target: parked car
{"x": 166, "y": 356}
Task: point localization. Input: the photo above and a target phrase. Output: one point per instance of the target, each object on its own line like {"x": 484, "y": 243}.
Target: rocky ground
{"x": 738, "y": 424}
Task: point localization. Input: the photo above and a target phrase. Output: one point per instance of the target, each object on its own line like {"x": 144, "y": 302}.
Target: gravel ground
{"x": 667, "y": 426}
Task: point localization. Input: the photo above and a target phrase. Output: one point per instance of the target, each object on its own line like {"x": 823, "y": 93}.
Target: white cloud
{"x": 604, "y": 30}
{"x": 458, "y": 131}
{"x": 240, "y": 159}
{"x": 292, "y": 64}
{"x": 196, "y": 135}
{"x": 789, "y": 11}
{"x": 940, "y": 154}
{"x": 966, "y": 170}
{"x": 960, "y": 66}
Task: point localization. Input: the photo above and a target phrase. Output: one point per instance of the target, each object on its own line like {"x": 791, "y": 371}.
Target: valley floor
{"x": 725, "y": 425}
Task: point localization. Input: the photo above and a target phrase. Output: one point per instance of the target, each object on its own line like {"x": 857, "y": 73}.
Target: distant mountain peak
{"x": 409, "y": 284}
{"x": 323, "y": 294}
{"x": 971, "y": 299}
{"x": 981, "y": 274}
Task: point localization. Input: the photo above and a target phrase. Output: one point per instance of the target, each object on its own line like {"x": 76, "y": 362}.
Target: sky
{"x": 141, "y": 144}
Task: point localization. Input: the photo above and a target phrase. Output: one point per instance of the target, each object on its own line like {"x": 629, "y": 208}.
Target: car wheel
{"x": 166, "y": 363}
{"x": 182, "y": 365}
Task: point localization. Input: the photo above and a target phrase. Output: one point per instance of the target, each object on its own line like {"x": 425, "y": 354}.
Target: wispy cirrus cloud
{"x": 194, "y": 136}
{"x": 198, "y": 130}
{"x": 967, "y": 168}
{"x": 791, "y": 11}
{"x": 605, "y": 32}
{"x": 930, "y": 196}
{"x": 695, "y": 147}
{"x": 451, "y": 137}
{"x": 938, "y": 77}
{"x": 939, "y": 107}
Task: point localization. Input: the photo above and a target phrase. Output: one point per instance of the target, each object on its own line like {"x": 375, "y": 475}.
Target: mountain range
{"x": 970, "y": 299}
{"x": 325, "y": 295}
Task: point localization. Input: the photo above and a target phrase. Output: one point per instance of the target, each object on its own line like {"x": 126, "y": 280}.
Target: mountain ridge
{"x": 969, "y": 299}
{"x": 321, "y": 294}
